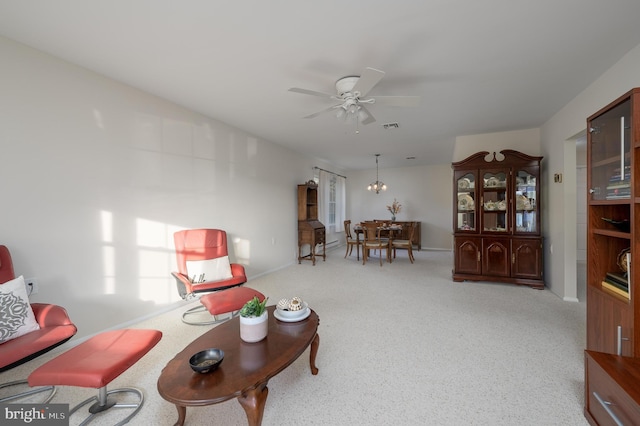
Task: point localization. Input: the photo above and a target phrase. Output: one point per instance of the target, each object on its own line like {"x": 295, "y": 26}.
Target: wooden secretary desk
{"x": 310, "y": 230}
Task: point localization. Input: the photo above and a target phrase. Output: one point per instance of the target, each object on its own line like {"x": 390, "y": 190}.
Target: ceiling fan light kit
{"x": 351, "y": 92}
{"x": 377, "y": 186}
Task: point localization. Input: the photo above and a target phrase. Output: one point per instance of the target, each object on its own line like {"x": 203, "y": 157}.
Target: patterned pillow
{"x": 16, "y": 315}
{"x": 206, "y": 271}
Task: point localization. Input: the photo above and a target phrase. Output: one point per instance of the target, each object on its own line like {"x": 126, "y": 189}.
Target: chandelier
{"x": 377, "y": 186}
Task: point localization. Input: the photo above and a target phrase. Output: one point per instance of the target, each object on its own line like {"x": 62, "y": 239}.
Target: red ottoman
{"x": 95, "y": 363}
{"x": 228, "y": 301}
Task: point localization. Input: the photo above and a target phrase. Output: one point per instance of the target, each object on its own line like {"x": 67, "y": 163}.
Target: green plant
{"x": 254, "y": 307}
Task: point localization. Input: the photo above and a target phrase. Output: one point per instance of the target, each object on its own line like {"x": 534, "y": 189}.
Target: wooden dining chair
{"x": 405, "y": 244}
{"x": 350, "y": 240}
{"x": 372, "y": 241}
{"x": 385, "y": 233}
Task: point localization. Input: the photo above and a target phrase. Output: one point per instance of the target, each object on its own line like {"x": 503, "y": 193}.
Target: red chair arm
{"x": 183, "y": 284}
{"x": 237, "y": 270}
{"x": 186, "y": 287}
{"x": 49, "y": 315}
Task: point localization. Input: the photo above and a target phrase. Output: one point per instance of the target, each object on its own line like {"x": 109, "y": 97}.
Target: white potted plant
{"x": 254, "y": 320}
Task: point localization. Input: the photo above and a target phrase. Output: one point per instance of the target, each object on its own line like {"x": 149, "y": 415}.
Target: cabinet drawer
{"x": 601, "y": 391}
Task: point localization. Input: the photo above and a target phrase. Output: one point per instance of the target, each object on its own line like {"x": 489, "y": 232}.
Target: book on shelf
{"x": 619, "y": 286}
{"x": 617, "y": 178}
{"x": 617, "y": 278}
{"x": 616, "y": 173}
{"x": 619, "y": 184}
{"x": 613, "y": 289}
{"x": 617, "y": 196}
{"x": 628, "y": 259}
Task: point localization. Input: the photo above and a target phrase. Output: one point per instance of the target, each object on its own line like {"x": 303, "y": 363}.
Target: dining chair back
{"x": 373, "y": 241}
{"x": 350, "y": 241}
{"x": 405, "y": 244}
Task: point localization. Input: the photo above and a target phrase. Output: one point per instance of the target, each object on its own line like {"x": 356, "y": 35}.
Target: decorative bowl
{"x": 622, "y": 260}
{"x": 206, "y": 361}
{"x": 293, "y": 314}
{"x": 622, "y": 225}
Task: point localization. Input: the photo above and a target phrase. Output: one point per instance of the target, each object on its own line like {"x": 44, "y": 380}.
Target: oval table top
{"x": 245, "y": 366}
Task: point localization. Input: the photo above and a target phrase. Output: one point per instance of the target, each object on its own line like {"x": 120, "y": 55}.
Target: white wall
{"x": 97, "y": 176}
{"x": 560, "y": 200}
{"x": 424, "y": 192}
{"x": 526, "y": 141}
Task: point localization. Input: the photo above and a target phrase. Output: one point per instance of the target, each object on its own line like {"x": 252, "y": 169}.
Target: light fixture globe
{"x": 377, "y": 186}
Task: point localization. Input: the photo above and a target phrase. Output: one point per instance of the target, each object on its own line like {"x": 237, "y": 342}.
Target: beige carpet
{"x": 399, "y": 345}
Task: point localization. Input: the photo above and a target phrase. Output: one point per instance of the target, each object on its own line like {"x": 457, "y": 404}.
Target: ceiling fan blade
{"x": 312, "y": 92}
{"x": 315, "y": 114}
{"x": 370, "y": 118}
{"x": 402, "y": 101}
{"x": 369, "y": 78}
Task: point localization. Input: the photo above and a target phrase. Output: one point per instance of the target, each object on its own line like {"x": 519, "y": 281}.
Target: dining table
{"x": 391, "y": 230}
{"x": 388, "y": 230}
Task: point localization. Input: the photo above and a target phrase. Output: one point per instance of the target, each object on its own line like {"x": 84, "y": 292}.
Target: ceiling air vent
{"x": 391, "y": 125}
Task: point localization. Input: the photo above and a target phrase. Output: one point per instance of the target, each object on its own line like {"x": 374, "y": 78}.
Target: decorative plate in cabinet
{"x": 465, "y": 202}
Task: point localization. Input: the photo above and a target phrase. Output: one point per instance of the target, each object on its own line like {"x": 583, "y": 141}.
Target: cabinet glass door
{"x": 466, "y": 203}
{"x": 494, "y": 202}
{"x": 525, "y": 199}
{"x": 610, "y": 161}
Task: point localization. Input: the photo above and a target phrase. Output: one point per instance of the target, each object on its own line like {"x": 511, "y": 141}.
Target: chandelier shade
{"x": 377, "y": 186}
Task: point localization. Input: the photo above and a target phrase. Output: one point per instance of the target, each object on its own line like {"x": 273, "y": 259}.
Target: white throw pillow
{"x": 204, "y": 271}
{"x": 16, "y": 315}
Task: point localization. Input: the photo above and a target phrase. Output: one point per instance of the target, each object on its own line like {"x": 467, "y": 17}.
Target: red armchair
{"x": 203, "y": 266}
{"x": 55, "y": 329}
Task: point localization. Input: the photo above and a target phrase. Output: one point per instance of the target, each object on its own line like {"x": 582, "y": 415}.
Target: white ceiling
{"x": 479, "y": 66}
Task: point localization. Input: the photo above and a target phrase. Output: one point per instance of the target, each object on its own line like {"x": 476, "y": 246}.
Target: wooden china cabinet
{"x": 612, "y": 359}
{"x": 311, "y": 231}
{"x": 496, "y": 219}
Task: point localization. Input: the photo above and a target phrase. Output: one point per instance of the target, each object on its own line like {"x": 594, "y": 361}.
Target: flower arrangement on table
{"x": 394, "y": 209}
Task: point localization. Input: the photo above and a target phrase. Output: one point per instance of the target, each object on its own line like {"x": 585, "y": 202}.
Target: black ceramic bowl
{"x": 623, "y": 225}
{"x": 206, "y": 361}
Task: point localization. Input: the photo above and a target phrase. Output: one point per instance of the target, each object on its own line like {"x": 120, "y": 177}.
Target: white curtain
{"x": 341, "y": 202}
{"x": 324, "y": 197}
{"x": 324, "y": 186}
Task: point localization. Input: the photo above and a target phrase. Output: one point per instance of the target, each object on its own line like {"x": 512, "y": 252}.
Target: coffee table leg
{"x": 253, "y": 402}
{"x": 182, "y": 415}
{"x": 312, "y": 354}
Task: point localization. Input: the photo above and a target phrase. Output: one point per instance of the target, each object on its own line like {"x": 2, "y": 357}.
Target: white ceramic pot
{"x": 254, "y": 329}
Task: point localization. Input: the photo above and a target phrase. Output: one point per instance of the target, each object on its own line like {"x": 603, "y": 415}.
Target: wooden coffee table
{"x": 245, "y": 370}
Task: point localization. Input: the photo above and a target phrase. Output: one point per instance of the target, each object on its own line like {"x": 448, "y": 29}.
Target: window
{"x": 331, "y": 205}
{"x": 331, "y": 199}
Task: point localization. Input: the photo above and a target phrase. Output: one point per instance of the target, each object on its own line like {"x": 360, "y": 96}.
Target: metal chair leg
{"x": 102, "y": 403}
{"x": 28, "y": 392}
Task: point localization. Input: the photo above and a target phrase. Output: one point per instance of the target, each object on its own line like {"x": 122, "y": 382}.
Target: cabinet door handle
{"x": 513, "y": 258}
{"x": 478, "y": 256}
{"x": 620, "y": 339}
{"x": 605, "y": 405}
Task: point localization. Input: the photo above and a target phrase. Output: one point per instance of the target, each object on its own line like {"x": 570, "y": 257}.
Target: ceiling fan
{"x": 351, "y": 94}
